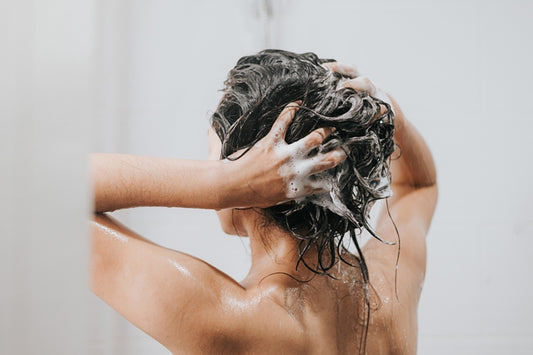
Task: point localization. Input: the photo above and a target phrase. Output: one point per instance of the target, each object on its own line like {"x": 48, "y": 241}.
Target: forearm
{"x": 123, "y": 181}
{"x": 260, "y": 178}
{"x": 415, "y": 166}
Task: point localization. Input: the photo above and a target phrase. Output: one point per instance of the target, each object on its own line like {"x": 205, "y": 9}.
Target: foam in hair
{"x": 296, "y": 172}
{"x": 256, "y": 91}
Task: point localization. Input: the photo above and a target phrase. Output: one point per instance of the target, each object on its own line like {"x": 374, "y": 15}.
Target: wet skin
{"x": 192, "y": 308}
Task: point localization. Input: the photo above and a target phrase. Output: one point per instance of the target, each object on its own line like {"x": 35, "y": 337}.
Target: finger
{"x": 279, "y": 128}
{"x": 314, "y": 139}
{"x": 343, "y": 69}
{"x": 361, "y": 83}
{"x": 319, "y": 188}
{"x": 364, "y": 84}
{"x": 328, "y": 160}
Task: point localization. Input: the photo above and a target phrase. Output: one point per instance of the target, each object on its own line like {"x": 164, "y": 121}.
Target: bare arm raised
{"x": 260, "y": 178}
{"x": 414, "y": 186}
{"x": 182, "y": 301}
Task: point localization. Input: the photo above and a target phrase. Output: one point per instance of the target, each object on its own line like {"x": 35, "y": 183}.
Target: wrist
{"x": 226, "y": 184}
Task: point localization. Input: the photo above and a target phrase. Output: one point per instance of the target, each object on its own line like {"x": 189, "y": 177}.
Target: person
{"x": 300, "y": 149}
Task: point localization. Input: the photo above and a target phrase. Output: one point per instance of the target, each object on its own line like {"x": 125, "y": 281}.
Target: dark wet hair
{"x": 256, "y": 91}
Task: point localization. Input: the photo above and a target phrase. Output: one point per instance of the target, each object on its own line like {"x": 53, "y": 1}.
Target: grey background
{"x": 141, "y": 77}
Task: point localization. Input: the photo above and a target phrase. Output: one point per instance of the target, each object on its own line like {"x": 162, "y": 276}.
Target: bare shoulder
{"x": 176, "y": 298}
{"x": 397, "y": 272}
{"x": 406, "y": 223}
{"x": 393, "y": 326}
{"x": 258, "y": 323}
{"x": 185, "y": 303}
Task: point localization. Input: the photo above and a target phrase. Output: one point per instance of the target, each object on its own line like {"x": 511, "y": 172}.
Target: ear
{"x": 215, "y": 145}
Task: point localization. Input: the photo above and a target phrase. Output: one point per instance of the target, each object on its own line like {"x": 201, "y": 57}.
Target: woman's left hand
{"x": 272, "y": 171}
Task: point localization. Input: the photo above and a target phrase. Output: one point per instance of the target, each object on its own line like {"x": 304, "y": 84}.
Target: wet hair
{"x": 256, "y": 91}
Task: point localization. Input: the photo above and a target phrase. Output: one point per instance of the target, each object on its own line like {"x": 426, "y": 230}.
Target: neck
{"x": 274, "y": 250}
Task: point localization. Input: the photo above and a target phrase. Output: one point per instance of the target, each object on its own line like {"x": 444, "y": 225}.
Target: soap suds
{"x": 296, "y": 173}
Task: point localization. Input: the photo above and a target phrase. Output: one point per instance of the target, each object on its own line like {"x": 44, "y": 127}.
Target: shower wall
{"x": 46, "y": 107}
{"x": 143, "y": 77}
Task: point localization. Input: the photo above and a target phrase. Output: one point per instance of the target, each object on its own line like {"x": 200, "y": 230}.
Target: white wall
{"x": 45, "y": 105}
{"x": 460, "y": 69}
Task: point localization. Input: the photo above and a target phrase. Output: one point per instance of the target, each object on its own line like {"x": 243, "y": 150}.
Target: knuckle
{"x": 367, "y": 84}
{"x": 333, "y": 66}
{"x": 364, "y": 80}
{"x": 336, "y": 157}
{"x": 330, "y": 161}
{"x": 321, "y": 133}
{"x": 285, "y": 114}
{"x": 313, "y": 140}
{"x": 352, "y": 83}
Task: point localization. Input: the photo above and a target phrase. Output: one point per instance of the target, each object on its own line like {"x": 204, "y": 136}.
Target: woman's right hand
{"x": 273, "y": 172}
{"x": 361, "y": 83}
{"x": 415, "y": 166}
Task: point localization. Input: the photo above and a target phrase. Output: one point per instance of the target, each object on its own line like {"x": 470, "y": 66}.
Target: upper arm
{"x": 170, "y": 295}
{"x": 411, "y": 210}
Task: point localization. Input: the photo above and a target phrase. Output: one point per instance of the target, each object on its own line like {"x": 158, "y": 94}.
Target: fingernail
{"x": 333, "y": 129}
{"x": 298, "y": 102}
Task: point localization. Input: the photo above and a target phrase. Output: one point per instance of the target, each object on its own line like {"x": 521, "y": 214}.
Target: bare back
{"x": 325, "y": 316}
{"x": 191, "y": 307}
